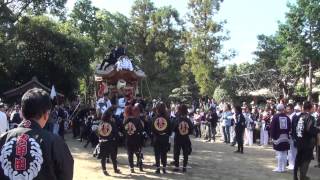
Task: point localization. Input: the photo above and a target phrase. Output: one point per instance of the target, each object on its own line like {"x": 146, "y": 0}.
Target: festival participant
{"x": 29, "y": 151}
{"x": 87, "y": 123}
{"x": 265, "y": 127}
{"x": 133, "y": 131}
{"x": 161, "y": 129}
{"x": 293, "y": 150}
{"x": 121, "y": 50}
{"x": 240, "y": 125}
{"x": 305, "y": 135}
{"x": 108, "y": 135}
{"x": 119, "y": 110}
{"x": 56, "y": 122}
{"x": 249, "y": 126}
{"x": 196, "y": 122}
{"x": 93, "y": 134}
{"x": 15, "y": 117}
{"x": 138, "y": 114}
{"x": 182, "y": 128}
{"x": 226, "y": 122}
{"x": 280, "y": 129}
{"x": 318, "y": 139}
{"x": 4, "y": 124}
{"x": 203, "y": 122}
{"x": 212, "y": 118}
{"x": 104, "y": 103}
{"x": 255, "y": 117}
{"x": 111, "y": 59}
{"x": 297, "y": 110}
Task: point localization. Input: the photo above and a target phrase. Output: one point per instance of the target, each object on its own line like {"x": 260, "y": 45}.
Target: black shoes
{"x": 105, "y": 173}
{"x": 164, "y": 171}
{"x": 158, "y": 171}
{"x": 184, "y": 169}
{"x": 117, "y": 171}
{"x": 176, "y": 169}
{"x": 132, "y": 170}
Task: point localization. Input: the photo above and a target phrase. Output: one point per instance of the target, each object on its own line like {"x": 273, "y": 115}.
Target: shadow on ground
{"x": 214, "y": 161}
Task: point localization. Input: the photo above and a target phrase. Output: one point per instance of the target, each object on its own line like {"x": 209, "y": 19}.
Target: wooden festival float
{"x": 120, "y": 78}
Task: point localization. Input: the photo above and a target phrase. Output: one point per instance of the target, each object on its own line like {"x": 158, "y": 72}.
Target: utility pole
{"x": 310, "y": 81}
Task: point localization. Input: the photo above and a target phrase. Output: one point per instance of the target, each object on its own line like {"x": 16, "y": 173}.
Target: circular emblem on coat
{"x": 130, "y": 128}
{"x": 105, "y": 129}
{"x": 183, "y": 128}
{"x": 160, "y": 124}
{"x": 21, "y": 158}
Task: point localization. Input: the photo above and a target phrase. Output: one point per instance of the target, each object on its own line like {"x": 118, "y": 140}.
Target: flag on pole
{"x": 53, "y": 92}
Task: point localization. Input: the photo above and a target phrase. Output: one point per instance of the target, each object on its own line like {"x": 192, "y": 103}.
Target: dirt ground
{"x": 214, "y": 161}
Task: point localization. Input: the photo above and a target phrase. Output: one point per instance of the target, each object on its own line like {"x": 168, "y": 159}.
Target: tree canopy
{"x": 180, "y": 55}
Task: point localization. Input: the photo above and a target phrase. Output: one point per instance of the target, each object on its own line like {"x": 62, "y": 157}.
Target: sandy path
{"x": 214, "y": 161}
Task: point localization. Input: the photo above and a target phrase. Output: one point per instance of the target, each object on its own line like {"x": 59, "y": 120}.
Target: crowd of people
{"x": 240, "y": 125}
{"x": 292, "y": 128}
{"x": 134, "y": 124}
{"x": 57, "y": 123}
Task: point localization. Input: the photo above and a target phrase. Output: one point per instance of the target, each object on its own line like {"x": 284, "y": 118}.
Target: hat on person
{"x": 280, "y": 107}
{"x": 244, "y": 106}
{"x": 297, "y": 108}
{"x": 291, "y": 101}
{"x": 1, "y": 105}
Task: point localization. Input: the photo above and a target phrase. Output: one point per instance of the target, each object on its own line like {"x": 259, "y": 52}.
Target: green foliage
{"x": 295, "y": 44}
{"x": 181, "y": 94}
{"x": 155, "y": 35}
{"x": 301, "y": 90}
{"x": 65, "y": 51}
{"x": 41, "y": 49}
{"x": 221, "y": 94}
{"x": 203, "y": 43}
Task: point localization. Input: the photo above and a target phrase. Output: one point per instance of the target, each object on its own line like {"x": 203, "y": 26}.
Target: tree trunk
{"x": 310, "y": 81}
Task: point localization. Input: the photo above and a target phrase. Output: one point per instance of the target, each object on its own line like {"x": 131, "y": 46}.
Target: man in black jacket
{"x": 304, "y": 134}
{"x": 111, "y": 59}
{"x": 108, "y": 137}
{"x": 182, "y": 128}
{"x": 30, "y": 152}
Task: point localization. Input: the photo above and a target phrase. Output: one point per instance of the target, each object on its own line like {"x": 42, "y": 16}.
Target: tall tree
{"x": 48, "y": 50}
{"x": 84, "y": 17}
{"x": 156, "y": 34}
{"x": 203, "y": 42}
{"x": 294, "y": 50}
{"x": 303, "y": 20}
